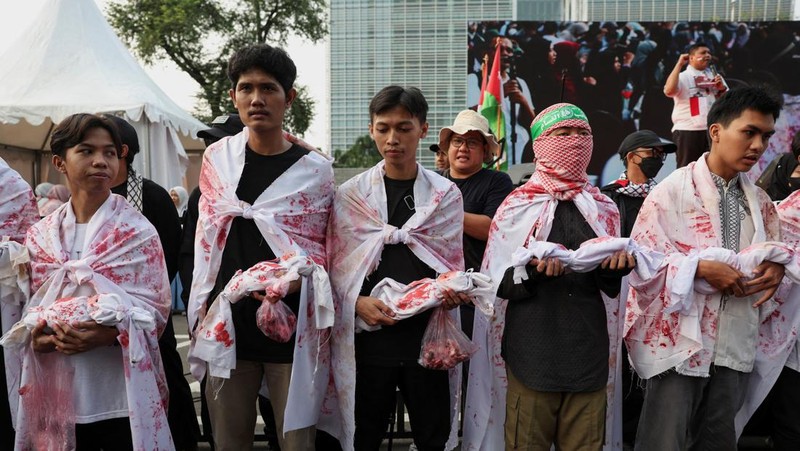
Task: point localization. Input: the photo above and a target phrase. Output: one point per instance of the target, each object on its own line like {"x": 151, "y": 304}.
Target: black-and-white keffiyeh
{"x": 133, "y": 189}
{"x": 631, "y": 189}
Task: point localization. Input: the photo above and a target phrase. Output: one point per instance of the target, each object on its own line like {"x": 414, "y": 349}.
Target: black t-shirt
{"x": 244, "y": 247}
{"x": 158, "y": 208}
{"x": 483, "y": 192}
{"x": 398, "y": 344}
{"x": 186, "y": 254}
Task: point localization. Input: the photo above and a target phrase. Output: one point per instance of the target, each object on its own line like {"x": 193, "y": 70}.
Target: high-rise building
{"x": 411, "y": 43}
{"x": 374, "y": 43}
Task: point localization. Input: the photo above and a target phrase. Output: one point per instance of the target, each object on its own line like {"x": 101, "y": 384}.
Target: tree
{"x": 362, "y": 154}
{"x": 200, "y": 35}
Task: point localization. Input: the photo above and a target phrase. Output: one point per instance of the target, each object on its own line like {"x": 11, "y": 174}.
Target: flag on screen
{"x": 490, "y": 103}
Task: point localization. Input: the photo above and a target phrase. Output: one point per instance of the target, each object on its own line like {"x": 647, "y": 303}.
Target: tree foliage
{"x": 200, "y": 35}
{"x": 362, "y": 154}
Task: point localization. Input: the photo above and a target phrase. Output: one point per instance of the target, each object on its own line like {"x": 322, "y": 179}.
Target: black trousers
{"x": 107, "y": 435}
{"x": 779, "y": 414}
{"x": 691, "y": 145}
{"x": 632, "y": 400}
{"x": 181, "y": 415}
{"x": 426, "y": 394}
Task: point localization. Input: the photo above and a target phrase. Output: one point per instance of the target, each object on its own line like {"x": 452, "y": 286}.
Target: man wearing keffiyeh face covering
{"x": 551, "y": 330}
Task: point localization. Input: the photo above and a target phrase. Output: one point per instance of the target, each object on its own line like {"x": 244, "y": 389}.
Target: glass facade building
{"x": 374, "y": 43}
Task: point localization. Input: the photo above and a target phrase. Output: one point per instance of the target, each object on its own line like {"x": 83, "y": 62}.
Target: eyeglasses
{"x": 654, "y": 152}
{"x": 472, "y": 143}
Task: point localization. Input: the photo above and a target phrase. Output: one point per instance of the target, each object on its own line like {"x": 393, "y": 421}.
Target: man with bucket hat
{"x": 469, "y": 144}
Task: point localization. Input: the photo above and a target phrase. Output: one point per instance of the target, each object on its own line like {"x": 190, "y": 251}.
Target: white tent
{"x": 70, "y": 61}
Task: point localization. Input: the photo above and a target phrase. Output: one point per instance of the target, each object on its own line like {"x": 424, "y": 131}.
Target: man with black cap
{"x": 643, "y": 153}
{"x": 440, "y": 159}
{"x": 154, "y": 203}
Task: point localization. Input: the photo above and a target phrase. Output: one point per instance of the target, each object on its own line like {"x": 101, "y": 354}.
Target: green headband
{"x": 547, "y": 120}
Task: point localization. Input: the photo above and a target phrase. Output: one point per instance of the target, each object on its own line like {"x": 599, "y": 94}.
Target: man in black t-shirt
{"x": 386, "y": 359}
{"x": 470, "y": 144}
{"x": 262, "y": 78}
{"x": 154, "y": 203}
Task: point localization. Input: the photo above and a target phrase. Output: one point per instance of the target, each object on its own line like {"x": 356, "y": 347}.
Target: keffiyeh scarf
{"x": 133, "y": 189}
{"x": 628, "y": 188}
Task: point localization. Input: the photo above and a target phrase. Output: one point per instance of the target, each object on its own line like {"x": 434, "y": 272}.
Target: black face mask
{"x": 650, "y": 166}
{"x": 794, "y": 183}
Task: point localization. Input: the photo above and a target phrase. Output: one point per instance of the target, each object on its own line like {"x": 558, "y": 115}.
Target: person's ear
{"x": 232, "y": 95}
{"x": 124, "y": 152}
{"x": 714, "y": 132}
{"x": 60, "y": 164}
{"x": 290, "y": 96}
{"x": 424, "y": 130}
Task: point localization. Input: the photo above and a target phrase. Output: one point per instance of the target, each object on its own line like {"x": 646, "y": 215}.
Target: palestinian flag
{"x": 490, "y": 103}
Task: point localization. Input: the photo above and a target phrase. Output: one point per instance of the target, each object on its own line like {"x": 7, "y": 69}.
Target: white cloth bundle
{"x": 417, "y": 297}
{"x": 216, "y": 337}
{"x": 685, "y": 284}
{"x": 587, "y": 257}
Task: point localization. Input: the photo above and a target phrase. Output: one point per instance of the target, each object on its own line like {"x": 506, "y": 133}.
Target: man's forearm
{"x": 671, "y": 86}
{"x": 477, "y": 226}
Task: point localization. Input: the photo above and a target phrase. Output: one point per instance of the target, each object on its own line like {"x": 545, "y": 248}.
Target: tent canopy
{"x": 71, "y": 61}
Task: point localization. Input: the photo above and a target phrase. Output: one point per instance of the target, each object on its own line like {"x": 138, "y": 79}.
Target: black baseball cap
{"x": 434, "y": 148}
{"x": 222, "y": 126}
{"x": 645, "y": 138}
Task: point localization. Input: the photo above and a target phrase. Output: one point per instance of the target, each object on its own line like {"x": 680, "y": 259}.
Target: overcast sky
{"x": 18, "y": 16}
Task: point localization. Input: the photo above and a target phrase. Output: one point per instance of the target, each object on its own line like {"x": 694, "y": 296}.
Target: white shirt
{"x": 98, "y": 386}
{"x": 692, "y": 102}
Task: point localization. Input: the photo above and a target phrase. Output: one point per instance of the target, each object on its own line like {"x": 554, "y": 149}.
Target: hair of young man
{"x": 127, "y": 135}
{"x": 695, "y": 47}
{"x": 71, "y": 131}
{"x": 796, "y": 144}
{"x": 272, "y": 60}
{"x": 410, "y": 98}
{"x": 736, "y": 101}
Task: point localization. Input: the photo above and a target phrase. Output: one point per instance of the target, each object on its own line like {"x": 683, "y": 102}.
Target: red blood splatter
{"x": 123, "y": 339}
{"x": 221, "y": 334}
